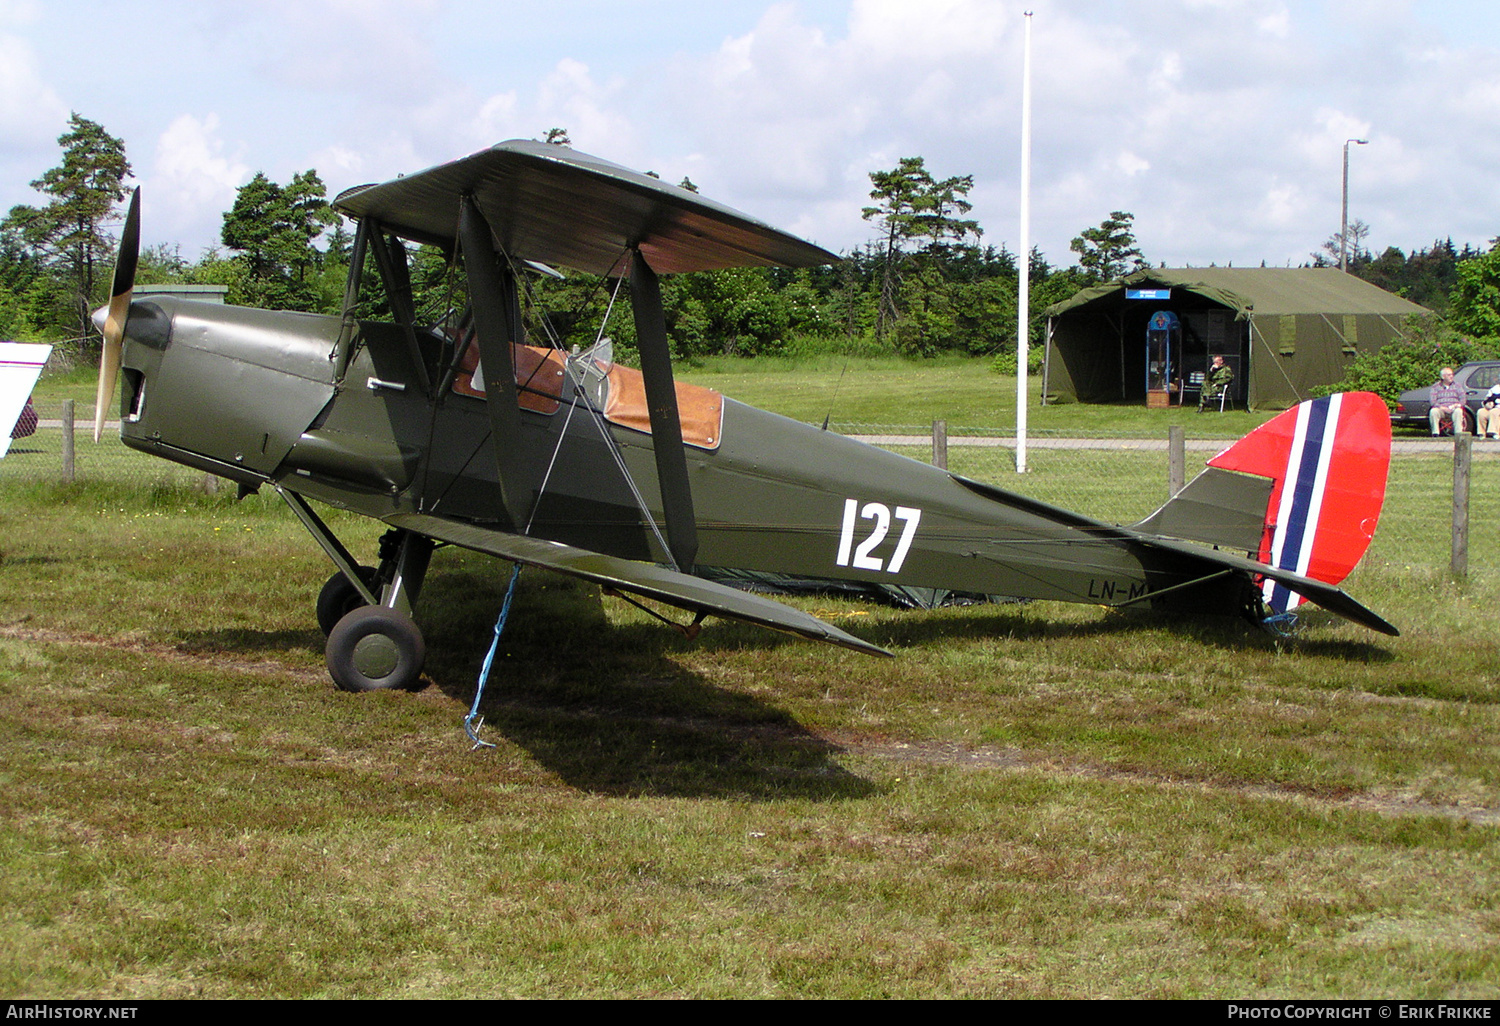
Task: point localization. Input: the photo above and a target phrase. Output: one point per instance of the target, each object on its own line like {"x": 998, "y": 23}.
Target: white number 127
{"x": 881, "y": 514}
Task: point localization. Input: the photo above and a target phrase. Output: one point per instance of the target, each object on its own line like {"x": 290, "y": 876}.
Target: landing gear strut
{"x": 339, "y": 597}
{"x": 373, "y": 644}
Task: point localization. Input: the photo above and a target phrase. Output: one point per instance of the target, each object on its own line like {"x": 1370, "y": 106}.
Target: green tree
{"x": 913, "y": 207}
{"x": 1426, "y": 276}
{"x": 214, "y": 268}
{"x": 161, "y": 264}
{"x": 1427, "y": 344}
{"x": 24, "y": 284}
{"x": 734, "y": 311}
{"x": 68, "y": 234}
{"x": 1109, "y": 251}
{"x": 1475, "y": 300}
{"x": 274, "y": 231}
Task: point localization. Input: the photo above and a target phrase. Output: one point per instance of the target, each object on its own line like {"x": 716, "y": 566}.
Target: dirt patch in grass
{"x": 21, "y": 632}
{"x": 949, "y": 754}
{"x": 842, "y": 742}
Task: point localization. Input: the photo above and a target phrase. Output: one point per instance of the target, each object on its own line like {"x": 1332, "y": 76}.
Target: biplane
{"x": 472, "y": 433}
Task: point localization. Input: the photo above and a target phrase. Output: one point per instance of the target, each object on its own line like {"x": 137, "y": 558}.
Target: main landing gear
{"x": 373, "y": 644}
{"x": 373, "y": 648}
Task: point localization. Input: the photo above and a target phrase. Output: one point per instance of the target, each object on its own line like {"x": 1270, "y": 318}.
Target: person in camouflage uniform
{"x": 1215, "y": 384}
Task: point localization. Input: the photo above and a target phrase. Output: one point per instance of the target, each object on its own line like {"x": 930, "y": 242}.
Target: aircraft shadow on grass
{"x": 605, "y": 707}
{"x": 1207, "y": 631}
{"x": 608, "y": 710}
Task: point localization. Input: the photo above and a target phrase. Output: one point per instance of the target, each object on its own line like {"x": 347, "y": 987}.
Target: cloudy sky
{"x": 1219, "y": 123}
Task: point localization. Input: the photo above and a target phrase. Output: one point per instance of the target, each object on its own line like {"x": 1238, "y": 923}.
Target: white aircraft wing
{"x": 21, "y": 364}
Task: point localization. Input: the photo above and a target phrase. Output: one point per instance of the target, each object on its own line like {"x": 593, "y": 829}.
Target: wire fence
{"x": 45, "y": 457}
{"x": 1111, "y": 477}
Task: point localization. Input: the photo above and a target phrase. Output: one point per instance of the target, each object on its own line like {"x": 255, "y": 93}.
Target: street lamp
{"x": 1344, "y": 223}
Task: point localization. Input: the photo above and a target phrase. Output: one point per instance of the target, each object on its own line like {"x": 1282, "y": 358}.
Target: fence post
{"x": 1462, "y": 456}
{"x": 67, "y": 441}
{"x": 1176, "y": 460}
{"x": 940, "y": 444}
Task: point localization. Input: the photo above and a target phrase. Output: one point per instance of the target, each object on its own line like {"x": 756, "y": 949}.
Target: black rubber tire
{"x": 339, "y": 598}
{"x": 375, "y": 649}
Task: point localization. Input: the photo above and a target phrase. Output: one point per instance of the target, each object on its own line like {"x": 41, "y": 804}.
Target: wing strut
{"x": 343, "y": 349}
{"x": 661, "y": 404}
{"x": 492, "y": 291}
{"x": 390, "y": 258}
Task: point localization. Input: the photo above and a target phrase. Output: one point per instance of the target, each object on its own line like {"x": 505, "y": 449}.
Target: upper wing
{"x": 553, "y": 204}
{"x": 646, "y": 579}
{"x": 20, "y": 365}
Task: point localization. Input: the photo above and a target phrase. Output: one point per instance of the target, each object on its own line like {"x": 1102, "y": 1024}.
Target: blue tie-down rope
{"x": 473, "y": 722}
{"x": 1283, "y": 625}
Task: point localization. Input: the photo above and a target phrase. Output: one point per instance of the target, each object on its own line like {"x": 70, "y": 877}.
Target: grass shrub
{"x": 1412, "y": 361}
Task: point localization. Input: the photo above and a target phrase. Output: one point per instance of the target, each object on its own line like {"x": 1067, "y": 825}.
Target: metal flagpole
{"x": 1023, "y": 300}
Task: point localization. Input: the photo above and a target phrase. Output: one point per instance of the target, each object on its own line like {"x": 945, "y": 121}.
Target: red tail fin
{"x": 1329, "y": 459}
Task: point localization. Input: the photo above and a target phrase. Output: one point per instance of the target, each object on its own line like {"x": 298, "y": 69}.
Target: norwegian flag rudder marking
{"x": 1329, "y": 460}
{"x": 1302, "y": 496}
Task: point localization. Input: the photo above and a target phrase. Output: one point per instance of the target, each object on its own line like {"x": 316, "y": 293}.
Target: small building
{"x": 202, "y": 293}
{"x": 1283, "y": 330}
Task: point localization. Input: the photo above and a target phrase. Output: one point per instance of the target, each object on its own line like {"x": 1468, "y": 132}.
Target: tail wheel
{"x": 373, "y": 648}
{"x": 339, "y": 598}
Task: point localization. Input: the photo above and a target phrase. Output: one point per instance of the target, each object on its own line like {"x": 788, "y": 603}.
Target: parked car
{"x": 1476, "y": 378}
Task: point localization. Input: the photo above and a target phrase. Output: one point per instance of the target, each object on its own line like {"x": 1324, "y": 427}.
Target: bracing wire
{"x": 597, "y": 416}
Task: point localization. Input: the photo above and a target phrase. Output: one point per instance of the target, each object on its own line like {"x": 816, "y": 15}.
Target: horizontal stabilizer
{"x": 1328, "y": 596}
{"x": 645, "y": 579}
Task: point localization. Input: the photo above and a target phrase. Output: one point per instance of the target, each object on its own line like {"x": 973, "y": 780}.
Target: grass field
{"x": 1029, "y": 801}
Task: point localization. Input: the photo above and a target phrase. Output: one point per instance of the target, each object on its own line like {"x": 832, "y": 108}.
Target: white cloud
{"x": 1218, "y": 123}
{"x": 570, "y": 98}
{"x": 898, "y": 30}
{"x": 338, "y": 163}
{"x": 498, "y": 118}
{"x": 379, "y": 48}
{"x": 18, "y": 12}
{"x": 1129, "y": 164}
{"x": 1276, "y": 22}
{"x": 192, "y": 180}
{"x": 31, "y": 111}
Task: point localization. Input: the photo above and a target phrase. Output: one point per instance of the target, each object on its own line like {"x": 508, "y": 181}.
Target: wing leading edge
{"x": 646, "y": 579}
{"x": 555, "y": 205}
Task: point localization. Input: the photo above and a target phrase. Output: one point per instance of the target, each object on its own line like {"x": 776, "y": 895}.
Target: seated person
{"x": 1447, "y": 399}
{"x": 1488, "y": 416}
{"x": 1215, "y": 384}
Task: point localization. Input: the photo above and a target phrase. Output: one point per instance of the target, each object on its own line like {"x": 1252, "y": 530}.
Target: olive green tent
{"x": 1283, "y": 330}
